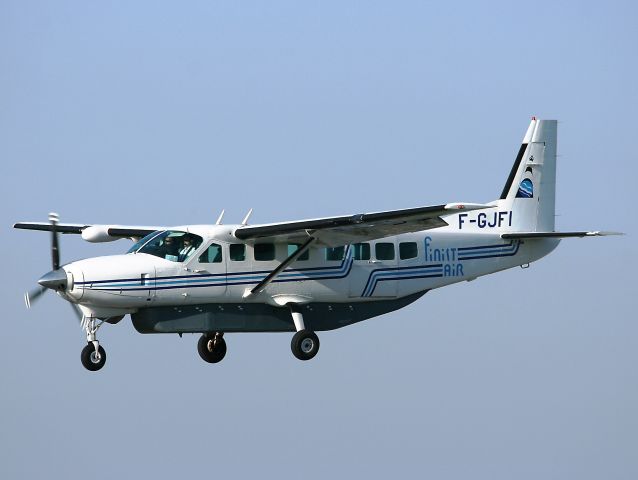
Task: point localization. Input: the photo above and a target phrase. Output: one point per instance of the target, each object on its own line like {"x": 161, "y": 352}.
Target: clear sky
{"x": 167, "y": 112}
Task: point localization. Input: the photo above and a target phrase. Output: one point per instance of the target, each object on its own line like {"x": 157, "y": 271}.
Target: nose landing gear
{"x": 93, "y": 356}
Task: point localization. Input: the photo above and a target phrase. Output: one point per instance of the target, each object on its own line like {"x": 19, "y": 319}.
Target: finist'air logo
{"x": 525, "y": 189}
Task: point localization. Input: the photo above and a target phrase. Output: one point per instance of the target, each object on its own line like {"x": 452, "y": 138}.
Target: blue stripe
{"x": 313, "y": 273}
{"x": 502, "y": 251}
{"x": 379, "y": 274}
{"x": 287, "y": 272}
{"x": 242, "y": 278}
{"x": 485, "y": 247}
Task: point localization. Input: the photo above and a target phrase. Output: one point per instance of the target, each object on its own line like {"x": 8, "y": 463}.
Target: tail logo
{"x": 525, "y": 189}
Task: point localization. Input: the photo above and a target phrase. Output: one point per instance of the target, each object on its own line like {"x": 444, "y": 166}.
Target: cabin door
{"x": 205, "y": 277}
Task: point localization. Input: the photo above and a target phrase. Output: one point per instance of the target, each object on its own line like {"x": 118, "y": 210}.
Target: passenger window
{"x": 237, "y": 252}
{"x": 264, "y": 251}
{"x": 335, "y": 253}
{"x": 408, "y": 250}
{"x": 361, "y": 251}
{"x": 212, "y": 254}
{"x": 293, "y": 247}
{"x": 384, "y": 251}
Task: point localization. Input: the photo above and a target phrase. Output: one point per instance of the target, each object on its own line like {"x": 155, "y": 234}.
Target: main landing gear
{"x": 93, "y": 355}
{"x": 305, "y": 343}
{"x": 212, "y": 348}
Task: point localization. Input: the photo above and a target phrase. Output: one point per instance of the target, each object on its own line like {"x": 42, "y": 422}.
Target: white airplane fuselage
{"x": 121, "y": 284}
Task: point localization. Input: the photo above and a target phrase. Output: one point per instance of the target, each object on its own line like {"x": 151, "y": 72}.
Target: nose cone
{"x": 55, "y": 279}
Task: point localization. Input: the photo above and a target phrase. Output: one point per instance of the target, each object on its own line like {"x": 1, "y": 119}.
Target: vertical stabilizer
{"x": 530, "y": 190}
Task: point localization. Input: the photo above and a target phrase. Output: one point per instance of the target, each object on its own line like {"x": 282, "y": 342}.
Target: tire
{"x": 304, "y": 344}
{"x": 89, "y": 360}
{"x": 214, "y": 356}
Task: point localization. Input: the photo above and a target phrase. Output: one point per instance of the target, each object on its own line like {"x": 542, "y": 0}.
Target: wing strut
{"x": 271, "y": 276}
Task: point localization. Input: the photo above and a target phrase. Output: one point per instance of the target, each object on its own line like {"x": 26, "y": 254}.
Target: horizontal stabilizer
{"x": 522, "y": 235}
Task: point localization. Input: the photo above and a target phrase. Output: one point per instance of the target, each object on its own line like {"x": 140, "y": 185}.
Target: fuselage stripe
{"x": 314, "y": 273}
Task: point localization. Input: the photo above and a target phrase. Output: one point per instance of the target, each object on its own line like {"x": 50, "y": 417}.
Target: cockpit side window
{"x": 171, "y": 245}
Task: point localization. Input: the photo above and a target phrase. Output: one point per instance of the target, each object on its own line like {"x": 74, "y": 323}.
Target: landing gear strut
{"x": 305, "y": 343}
{"x": 212, "y": 348}
{"x": 93, "y": 355}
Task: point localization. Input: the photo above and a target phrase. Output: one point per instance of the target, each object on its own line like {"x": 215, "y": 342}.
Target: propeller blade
{"x": 55, "y": 249}
{"x": 33, "y": 295}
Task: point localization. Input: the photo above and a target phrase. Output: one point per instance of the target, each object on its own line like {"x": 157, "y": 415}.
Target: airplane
{"x": 304, "y": 276}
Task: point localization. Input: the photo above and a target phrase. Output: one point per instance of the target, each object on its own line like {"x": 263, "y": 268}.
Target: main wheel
{"x": 304, "y": 344}
{"x": 91, "y": 360}
{"x": 211, "y": 353}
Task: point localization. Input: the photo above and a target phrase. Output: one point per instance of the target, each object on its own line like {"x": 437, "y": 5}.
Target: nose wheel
{"x": 93, "y": 359}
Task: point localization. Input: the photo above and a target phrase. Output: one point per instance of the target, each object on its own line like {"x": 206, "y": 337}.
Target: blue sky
{"x": 165, "y": 113}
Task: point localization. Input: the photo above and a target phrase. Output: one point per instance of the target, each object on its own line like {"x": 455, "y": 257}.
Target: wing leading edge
{"x": 329, "y": 231}
{"x": 342, "y": 230}
{"x": 92, "y": 233}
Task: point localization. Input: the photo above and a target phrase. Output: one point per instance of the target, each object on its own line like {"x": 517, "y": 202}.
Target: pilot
{"x": 171, "y": 250}
{"x": 186, "y": 249}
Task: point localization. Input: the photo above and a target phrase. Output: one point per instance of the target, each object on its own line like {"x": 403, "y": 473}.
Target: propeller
{"x": 54, "y": 218}
{"x": 32, "y": 295}
{"x": 56, "y": 278}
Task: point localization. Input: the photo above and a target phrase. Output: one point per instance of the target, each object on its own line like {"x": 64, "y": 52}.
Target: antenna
{"x": 220, "y": 218}
{"x": 245, "y": 220}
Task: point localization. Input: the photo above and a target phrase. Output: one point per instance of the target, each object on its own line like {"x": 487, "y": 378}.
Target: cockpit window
{"x": 141, "y": 242}
{"x": 171, "y": 245}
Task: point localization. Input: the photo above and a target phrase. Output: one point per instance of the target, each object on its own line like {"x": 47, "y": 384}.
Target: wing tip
{"x": 604, "y": 233}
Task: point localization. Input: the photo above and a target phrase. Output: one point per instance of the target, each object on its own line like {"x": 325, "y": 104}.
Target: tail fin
{"x": 530, "y": 190}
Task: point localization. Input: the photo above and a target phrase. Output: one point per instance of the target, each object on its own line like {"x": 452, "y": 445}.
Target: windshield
{"x": 171, "y": 245}
{"x": 141, "y": 242}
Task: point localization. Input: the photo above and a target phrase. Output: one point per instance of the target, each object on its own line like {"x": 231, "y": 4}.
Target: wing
{"x": 93, "y": 233}
{"x": 343, "y": 230}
